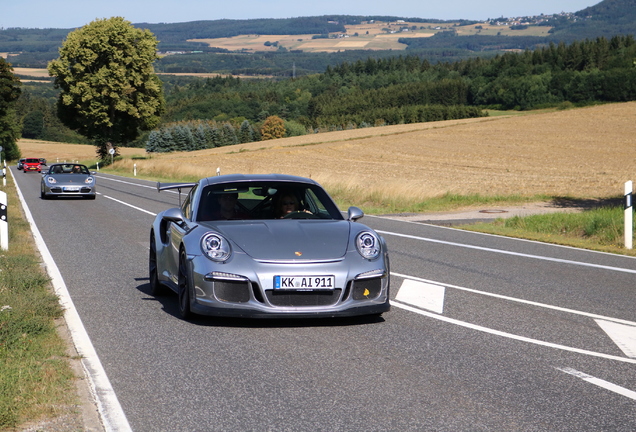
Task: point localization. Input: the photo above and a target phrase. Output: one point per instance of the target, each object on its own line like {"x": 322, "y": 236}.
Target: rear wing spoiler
{"x": 179, "y": 186}
{"x": 166, "y": 186}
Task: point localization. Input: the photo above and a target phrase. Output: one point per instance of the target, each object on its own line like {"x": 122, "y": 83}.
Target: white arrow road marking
{"x": 423, "y": 295}
{"x": 623, "y": 335}
{"x": 601, "y": 383}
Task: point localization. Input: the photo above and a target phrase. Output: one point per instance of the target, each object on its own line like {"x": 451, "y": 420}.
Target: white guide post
{"x": 629, "y": 215}
{"x": 4, "y": 224}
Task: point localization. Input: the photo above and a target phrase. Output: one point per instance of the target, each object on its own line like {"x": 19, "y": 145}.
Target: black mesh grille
{"x": 232, "y": 291}
{"x": 303, "y": 298}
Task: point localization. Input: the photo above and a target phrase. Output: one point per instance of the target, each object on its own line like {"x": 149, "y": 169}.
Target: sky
{"x": 77, "y": 13}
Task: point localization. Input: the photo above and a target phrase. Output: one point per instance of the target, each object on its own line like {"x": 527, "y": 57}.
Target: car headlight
{"x": 215, "y": 247}
{"x": 89, "y": 180}
{"x": 368, "y": 245}
{"x": 51, "y": 180}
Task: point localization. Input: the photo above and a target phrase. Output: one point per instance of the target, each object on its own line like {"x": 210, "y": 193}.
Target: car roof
{"x": 235, "y": 178}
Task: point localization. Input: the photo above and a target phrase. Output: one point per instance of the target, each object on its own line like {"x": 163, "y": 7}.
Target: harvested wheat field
{"x": 584, "y": 153}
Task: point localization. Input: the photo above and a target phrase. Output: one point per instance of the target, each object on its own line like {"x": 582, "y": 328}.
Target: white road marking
{"x": 623, "y": 335}
{"x": 127, "y": 182}
{"x": 601, "y": 383}
{"x": 421, "y": 294}
{"x": 505, "y": 252}
{"x": 412, "y": 299}
{"x": 518, "y": 300}
{"x": 108, "y": 405}
{"x": 136, "y": 184}
{"x": 129, "y": 205}
{"x": 509, "y": 335}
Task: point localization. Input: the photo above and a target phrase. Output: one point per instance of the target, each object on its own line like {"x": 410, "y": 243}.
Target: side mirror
{"x": 354, "y": 213}
{"x": 174, "y": 215}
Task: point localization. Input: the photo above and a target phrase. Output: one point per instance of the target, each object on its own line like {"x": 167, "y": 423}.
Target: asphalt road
{"x": 485, "y": 333}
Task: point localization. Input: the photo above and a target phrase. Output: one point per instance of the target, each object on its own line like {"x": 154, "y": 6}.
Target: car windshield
{"x": 68, "y": 169}
{"x": 32, "y": 161}
{"x": 265, "y": 200}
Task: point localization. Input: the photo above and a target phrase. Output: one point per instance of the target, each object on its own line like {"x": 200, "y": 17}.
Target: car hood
{"x": 289, "y": 239}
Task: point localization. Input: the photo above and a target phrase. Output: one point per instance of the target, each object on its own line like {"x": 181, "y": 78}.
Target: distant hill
{"x": 607, "y": 18}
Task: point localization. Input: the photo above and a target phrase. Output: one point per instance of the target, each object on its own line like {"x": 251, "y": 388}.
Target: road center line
{"x": 135, "y": 184}
{"x": 601, "y": 383}
{"x": 127, "y": 182}
{"x": 129, "y": 205}
{"x": 539, "y": 257}
{"x": 510, "y": 335}
{"x": 518, "y": 300}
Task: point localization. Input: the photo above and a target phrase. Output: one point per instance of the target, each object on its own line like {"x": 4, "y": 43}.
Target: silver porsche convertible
{"x": 263, "y": 246}
{"x": 68, "y": 179}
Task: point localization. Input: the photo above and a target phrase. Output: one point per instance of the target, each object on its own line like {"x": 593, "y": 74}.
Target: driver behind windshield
{"x": 286, "y": 204}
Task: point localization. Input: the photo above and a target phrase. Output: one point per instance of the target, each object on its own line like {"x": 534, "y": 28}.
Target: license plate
{"x": 71, "y": 189}
{"x": 305, "y": 282}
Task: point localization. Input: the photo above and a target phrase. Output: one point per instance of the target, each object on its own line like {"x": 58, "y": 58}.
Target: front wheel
{"x": 184, "y": 288}
{"x": 155, "y": 286}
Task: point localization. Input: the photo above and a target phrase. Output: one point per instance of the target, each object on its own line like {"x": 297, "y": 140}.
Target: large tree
{"x": 110, "y": 91}
{"x": 9, "y": 127}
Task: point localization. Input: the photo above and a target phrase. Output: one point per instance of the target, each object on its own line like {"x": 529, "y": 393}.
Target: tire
{"x": 184, "y": 288}
{"x": 42, "y": 194}
{"x": 156, "y": 289}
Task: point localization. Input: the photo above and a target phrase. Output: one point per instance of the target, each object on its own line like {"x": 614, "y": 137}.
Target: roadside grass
{"x": 36, "y": 379}
{"x": 600, "y": 229}
{"x": 390, "y": 201}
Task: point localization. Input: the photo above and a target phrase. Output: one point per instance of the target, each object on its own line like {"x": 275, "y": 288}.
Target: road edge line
{"x": 108, "y": 406}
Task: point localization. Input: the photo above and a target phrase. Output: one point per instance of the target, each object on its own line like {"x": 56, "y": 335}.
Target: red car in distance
{"x": 31, "y": 164}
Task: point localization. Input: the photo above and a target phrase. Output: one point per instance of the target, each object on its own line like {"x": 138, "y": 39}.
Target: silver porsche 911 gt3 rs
{"x": 266, "y": 246}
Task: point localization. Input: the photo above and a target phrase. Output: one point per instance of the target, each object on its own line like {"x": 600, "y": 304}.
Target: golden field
{"x": 584, "y": 153}
{"x": 370, "y": 36}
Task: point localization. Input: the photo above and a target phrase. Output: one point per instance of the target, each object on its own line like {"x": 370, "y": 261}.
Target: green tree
{"x": 9, "y": 126}
{"x": 246, "y": 132}
{"x": 33, "y": 125}
{"x": 109, "y": 89}
{"x": 273, "y": 127}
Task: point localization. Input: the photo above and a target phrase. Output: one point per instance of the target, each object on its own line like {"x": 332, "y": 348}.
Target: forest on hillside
{"x": 436, "y": 78}
{"x": 202, "y": 113}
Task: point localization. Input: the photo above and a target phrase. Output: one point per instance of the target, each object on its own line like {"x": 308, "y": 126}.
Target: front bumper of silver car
{"x": 249, "y": 290}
